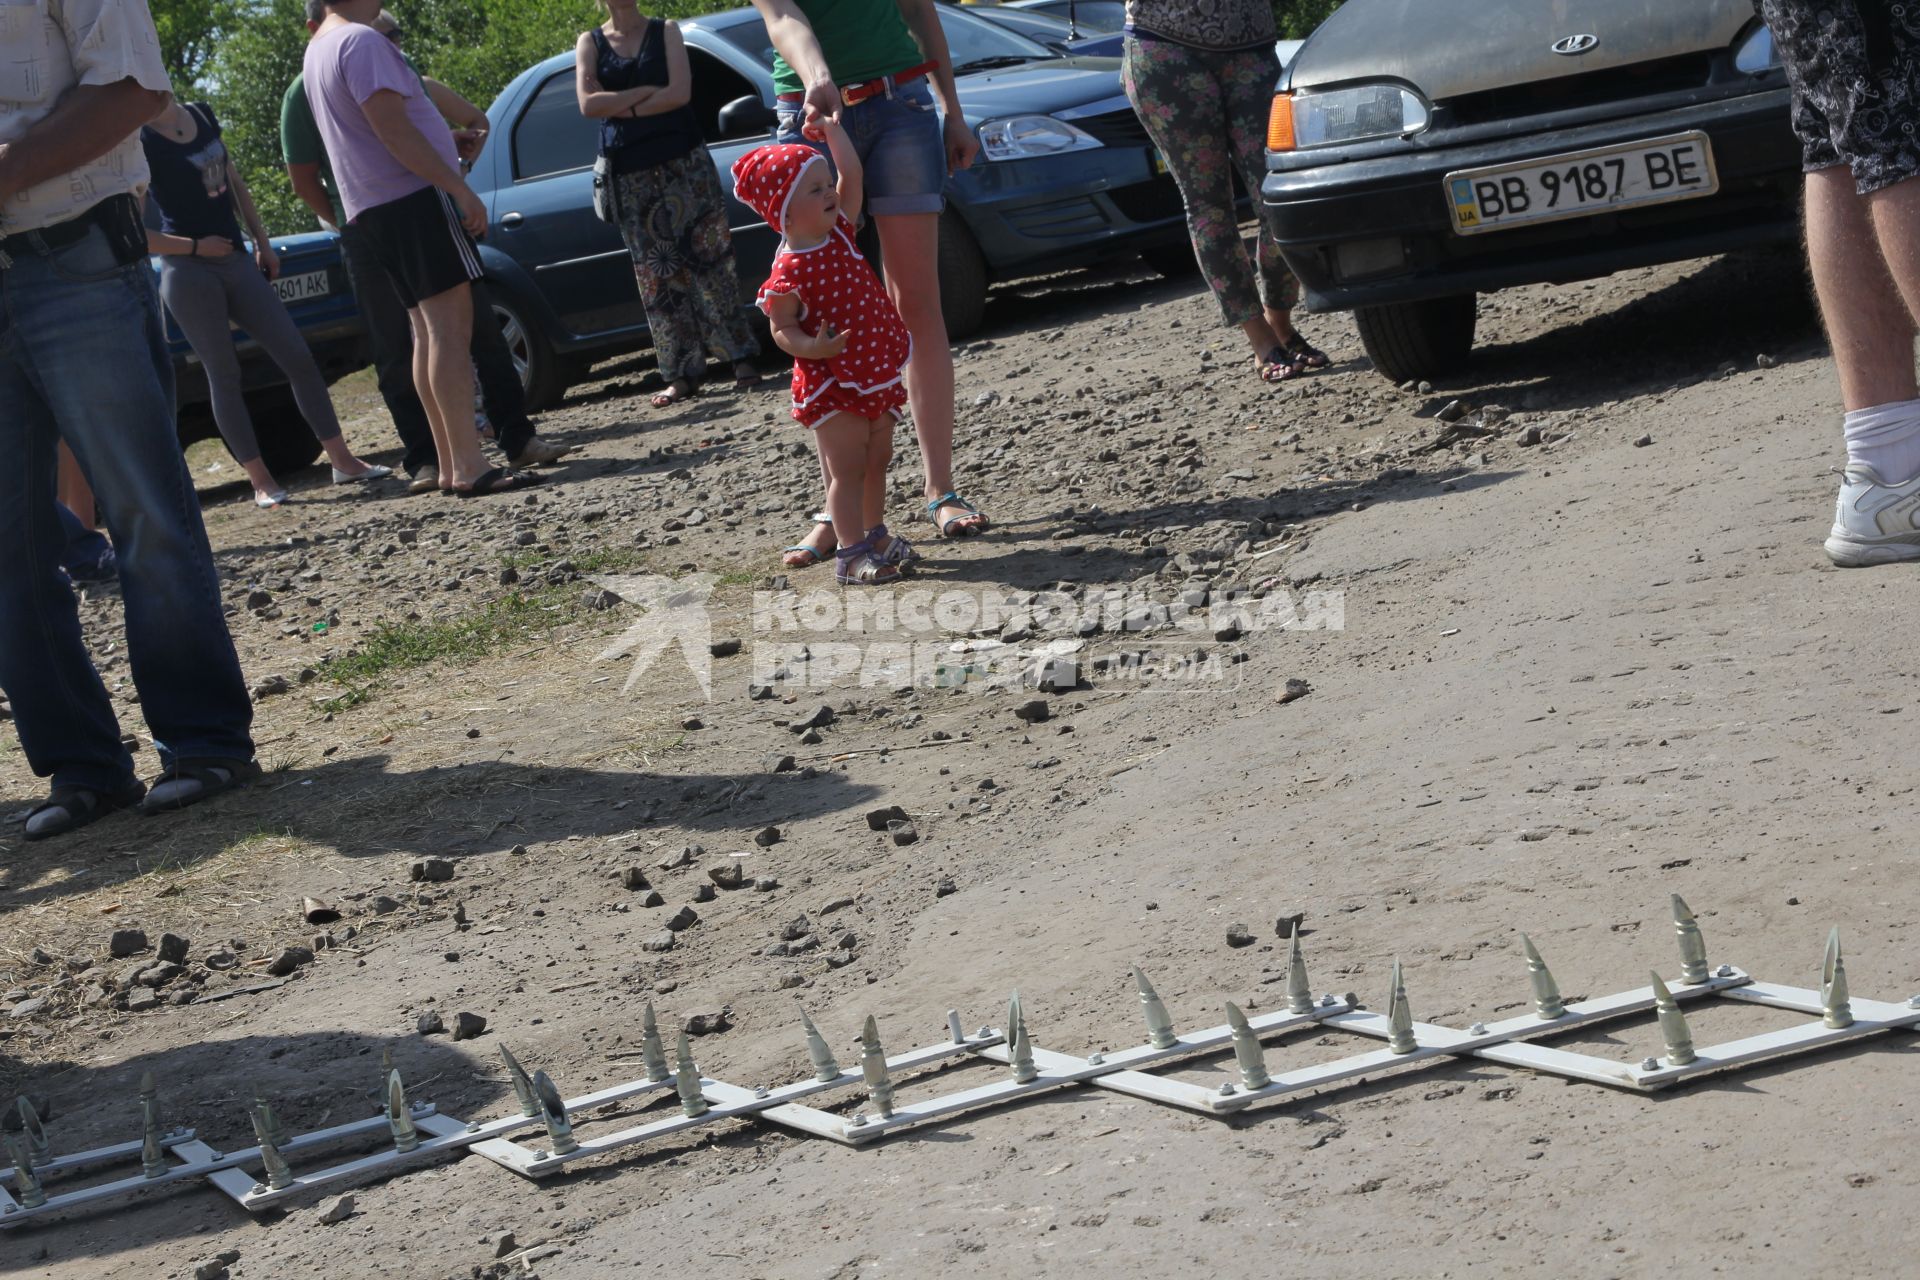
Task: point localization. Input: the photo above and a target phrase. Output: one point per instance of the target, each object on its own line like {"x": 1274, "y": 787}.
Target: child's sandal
{"x": 857, "y": 566}
{"x": 899, "y": 551}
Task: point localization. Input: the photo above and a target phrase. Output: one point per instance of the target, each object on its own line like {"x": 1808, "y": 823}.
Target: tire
{"x": 287, "y": 444}
{"x": 1172, "y": 261}
{"x": 963, "y": 278}
{"x": 543, "y": 375}
{"x": 1414, "y": 341}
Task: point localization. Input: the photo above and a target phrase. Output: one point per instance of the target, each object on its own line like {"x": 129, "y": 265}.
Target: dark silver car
{"x": 1421, "y": 152}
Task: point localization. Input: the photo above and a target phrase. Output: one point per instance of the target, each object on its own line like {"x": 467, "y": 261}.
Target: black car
{"x": 1421, "y": 152}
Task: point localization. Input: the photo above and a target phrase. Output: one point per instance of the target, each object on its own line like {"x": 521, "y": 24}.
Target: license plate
{"x": 310, "y": 284}
{"x": 1580, "y": 183}
{"x": 1159, "y": 163}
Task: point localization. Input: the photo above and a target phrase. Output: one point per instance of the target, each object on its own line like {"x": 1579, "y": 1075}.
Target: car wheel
{"x": 1411, "y": 341}
{"x": 963, "y": 278}
{"x": 1172, "y": 261}
{"x": 542, "y": 375}
{"x": 287, "y": 444}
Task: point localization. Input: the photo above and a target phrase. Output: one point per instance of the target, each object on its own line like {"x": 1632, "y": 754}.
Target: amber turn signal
{"x": 1280, "y": 123}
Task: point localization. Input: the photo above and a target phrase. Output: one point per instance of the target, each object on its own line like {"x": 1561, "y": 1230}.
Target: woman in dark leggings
{"x": 1200, "y": 73}
{"x": 211, "y": 283}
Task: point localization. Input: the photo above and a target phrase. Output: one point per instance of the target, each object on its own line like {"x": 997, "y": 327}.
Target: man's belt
{"x": 855, "y": 94}
{"x": 61, "y": 234}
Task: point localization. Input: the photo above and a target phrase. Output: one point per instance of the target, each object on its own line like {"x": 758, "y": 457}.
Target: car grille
{"x": 1591, "y": 89}
{"x": 1116, "y": 129}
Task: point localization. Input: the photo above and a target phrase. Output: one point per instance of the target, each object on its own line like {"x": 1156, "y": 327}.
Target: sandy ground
{"x": 1575, "y": 675}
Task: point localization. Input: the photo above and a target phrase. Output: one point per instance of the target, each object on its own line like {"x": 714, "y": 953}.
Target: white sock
{"x": 1886, "y": 437}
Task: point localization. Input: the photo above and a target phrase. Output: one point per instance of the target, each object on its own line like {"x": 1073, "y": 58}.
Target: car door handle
{"x": 511, "y": 220}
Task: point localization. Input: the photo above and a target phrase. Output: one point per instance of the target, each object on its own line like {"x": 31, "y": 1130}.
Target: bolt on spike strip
{"x": 1247, "y": 1051}
{"x": 825, "y": 1068}
{"x": 25, "y": 1181}
{"x": 873, "y": 1068}
{"x": 553, "y": 1113}
{"x": 653, "y": 1053}
{"x": 399, "y": 1118}
{"x": 1836, "y": 1011}
{"x": 522, "y": 1086}
{"x": 39, "y": 1150}
{"x": 1673, "y": 1025}
{"x": 1159, "y": 1025}
{"x": 1693, "y": 947}
{"x": 686, "y": 1081}
{"x": 279, "y": 1173}
{"x": 1547, "y": 1005}
{"x": 1400, "y": 1038}
{"x": 1022, "y": 1059}
{"x": 1299, "y": 994}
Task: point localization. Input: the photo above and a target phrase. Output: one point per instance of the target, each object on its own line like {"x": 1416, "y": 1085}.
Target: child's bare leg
{"x": 842, "y": 443}
{"x": 821, "y": 537}
{"x": 874, "y": 493}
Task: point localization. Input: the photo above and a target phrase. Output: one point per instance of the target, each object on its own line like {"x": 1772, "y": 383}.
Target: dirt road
{"x": 1590, "y": 654}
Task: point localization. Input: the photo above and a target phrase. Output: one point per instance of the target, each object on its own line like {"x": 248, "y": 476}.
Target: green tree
{"x": 256, "y": 58}
{"x": 1298, "y": 18}
{"x": 190, "y": 30}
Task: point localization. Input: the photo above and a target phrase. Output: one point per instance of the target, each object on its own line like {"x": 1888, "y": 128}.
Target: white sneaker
{"x": 1874, "y": 522}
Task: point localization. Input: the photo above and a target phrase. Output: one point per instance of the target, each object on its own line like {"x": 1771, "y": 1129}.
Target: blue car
{"x": 1066, "y": 178}
{"x": 313, "y": 284}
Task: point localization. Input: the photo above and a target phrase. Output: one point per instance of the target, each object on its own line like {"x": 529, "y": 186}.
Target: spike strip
{"x": 1160, "y": 1031}
{"x": 1246, "y": 1051}
{"x": 826, "y": 1069}
{"x": 553, "y": 1114}
{"x": 873, "y": 1069}
{"x": 1547, "y": 1004}
{"x": 1836, "y": 1011}
{"x": 400, "y": 1116}
{"x": 279, "y": 1173}
{"x": 33, "y": 1134}
{"x": 1673, "y": 1025}
{"x": 686, "y": 1081}
{"x": 269, "y": 1123}
{"x": 1693, "y": 947}
{"x": 1299, "y": 994}
{"x": 522, "y": 1085}
{"x": 1021, "y": 1056}
{"x": 1400, "y": 1037}
{"x": 654, "y": 1054}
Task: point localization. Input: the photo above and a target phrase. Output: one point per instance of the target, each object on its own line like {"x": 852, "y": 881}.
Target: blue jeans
{"x": 82, "y": 359}
{"x": 903, "y": 153}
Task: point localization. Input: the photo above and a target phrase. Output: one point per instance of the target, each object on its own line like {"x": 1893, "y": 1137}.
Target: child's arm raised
{"x": 846, "y": 161}
{"x": 783, "y": 312}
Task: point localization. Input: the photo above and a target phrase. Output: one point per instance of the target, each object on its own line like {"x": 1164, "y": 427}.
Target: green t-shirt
{"x": 862, "y": 39}
{"x": 300, "y": 141}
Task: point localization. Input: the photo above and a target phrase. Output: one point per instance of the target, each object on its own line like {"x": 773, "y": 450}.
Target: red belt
{"x": 855, "y": 94}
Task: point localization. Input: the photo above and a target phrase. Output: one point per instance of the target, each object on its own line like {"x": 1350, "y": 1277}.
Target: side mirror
{"x": 744, "y": 117}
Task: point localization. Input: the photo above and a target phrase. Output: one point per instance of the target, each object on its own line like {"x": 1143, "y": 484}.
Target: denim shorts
{"x": 901, "y": 147}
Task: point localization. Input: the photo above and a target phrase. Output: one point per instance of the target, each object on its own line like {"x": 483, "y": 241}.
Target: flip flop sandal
{"x": 899, "y": 551}
{"x": 1277, "y": 366}
{"x": 819, "y": 556}
{"x": 969, "y": 512}
{"x": 746, "y": 381}
{"x": 669, "y": 398}
{"x": 1305, "y": 355}
{"x": 205, "y": 772}
{"x": 857, "y": 566}
{"x": 83, "y": 807}
{"x": 498, "y": 480}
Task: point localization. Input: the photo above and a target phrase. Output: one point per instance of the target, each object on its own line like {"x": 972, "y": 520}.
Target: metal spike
{"x": 26, "y": 1183}
{"x": 825, "y": 1068}
{"x": 153, "y": 1158}
{"x": 653, "y": 1052}
{"x": 39, "y": 1149}
{"x": 1247, "y": 1051}
{"x": 1399, "y": 1016}
{"x": 553, "y": 1113}
{"x": 270, "y": 1123}
{"x": 1833, "y": 986}
{"x": 1159, "y": 1024}
{"x": 955, "y": 1032}
{"x": 1693, "y": 947}
{"x": 522, "y": 1086}
{"x": 1673, "y": 1023}
{"x": 686, "y": 1079}
{"x": 400, "y": 1116}
{"x": 873, "y": 1069}
{"x": 279, "y": 1173}
{"x": 1547, "y": 1004}
{"x": 1021, "y": 1056}
{"x": 1299, "y": 994}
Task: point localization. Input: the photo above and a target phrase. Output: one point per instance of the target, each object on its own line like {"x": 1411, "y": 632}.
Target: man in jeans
{"x": 1854, "y": 66}
{"x": 402, "y": 189}
{"x": 386, "y": 316}
{"x": 82, "y": 360}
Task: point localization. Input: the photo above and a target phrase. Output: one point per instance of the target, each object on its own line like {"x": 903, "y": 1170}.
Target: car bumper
{"x": 1033, "y": 216}
{"x": 1390, "y": 214}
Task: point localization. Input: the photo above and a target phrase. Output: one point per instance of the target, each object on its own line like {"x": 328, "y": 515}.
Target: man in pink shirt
{"x": 399, "y": 177}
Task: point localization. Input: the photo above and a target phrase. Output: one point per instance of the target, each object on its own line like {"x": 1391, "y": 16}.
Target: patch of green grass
{"x": 610, "y": 560}
{"x": 401, "y": 646}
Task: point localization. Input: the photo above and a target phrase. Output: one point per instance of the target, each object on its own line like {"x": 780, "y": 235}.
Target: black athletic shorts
{"x": 420, "y": 242}
{"x": 1855, "y": 70}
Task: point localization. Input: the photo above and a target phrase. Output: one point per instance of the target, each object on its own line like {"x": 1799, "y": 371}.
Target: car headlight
{"x": 1755, "y": 52}
{"x": 1024, "y": 137}
{"x": 1353, "y": 114}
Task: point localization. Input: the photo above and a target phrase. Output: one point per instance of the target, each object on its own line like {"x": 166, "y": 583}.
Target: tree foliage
{"x": 1298, "y": 18}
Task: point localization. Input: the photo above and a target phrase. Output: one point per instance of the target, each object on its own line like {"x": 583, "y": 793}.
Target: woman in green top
{"x": 877, "y": 67}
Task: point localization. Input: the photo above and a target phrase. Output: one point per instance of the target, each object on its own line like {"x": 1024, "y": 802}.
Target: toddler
{"x": 848, "y": 343}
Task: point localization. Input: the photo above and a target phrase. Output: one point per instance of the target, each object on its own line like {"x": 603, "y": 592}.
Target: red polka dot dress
{"x": 836, "y": 287}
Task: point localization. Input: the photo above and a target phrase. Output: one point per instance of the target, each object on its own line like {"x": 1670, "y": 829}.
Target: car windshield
{"x": 976, "y": 45}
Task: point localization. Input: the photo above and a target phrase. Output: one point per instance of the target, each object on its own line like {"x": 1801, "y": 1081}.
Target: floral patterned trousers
{"x": 1207, "y": 112}
{"x": 673, "y": 217}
